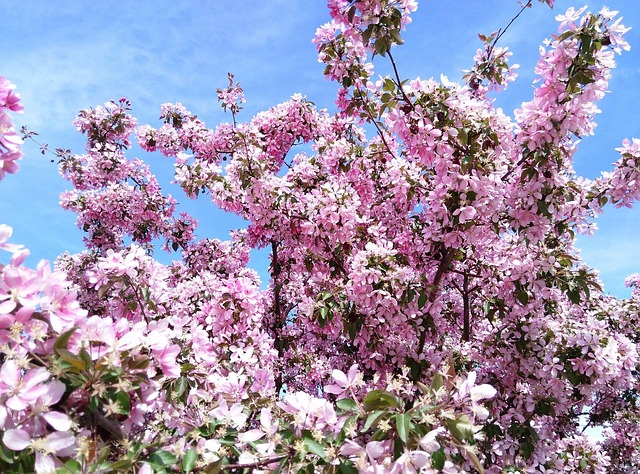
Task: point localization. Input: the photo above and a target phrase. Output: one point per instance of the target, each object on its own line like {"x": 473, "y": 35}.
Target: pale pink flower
{"x": 429, "y": 443}
{"x": 59, "y": 421}
{"x": 57, "y": 443}
{"x": 22, "y": 388}
{"x": 168, "y": 362}
{"x": 233, "y": 416}
{"x": 5, "y": 233}
{"x": 8, "y": 99}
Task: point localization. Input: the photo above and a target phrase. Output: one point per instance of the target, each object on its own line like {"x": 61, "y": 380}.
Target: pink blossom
{"x": 5, "y": 234}
{"x": 22, "y": 388}
{"x": 8, "y": 99}
{"x": 167, "y": 358}
{"x": 233, "y": 416}
{"x": 57, "y": 443}
{"x": 344, "y": 382}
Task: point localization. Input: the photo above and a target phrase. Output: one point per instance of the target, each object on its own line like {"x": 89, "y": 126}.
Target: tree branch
{"x": 433, "y": 292}
{"x": 466, "y": 316}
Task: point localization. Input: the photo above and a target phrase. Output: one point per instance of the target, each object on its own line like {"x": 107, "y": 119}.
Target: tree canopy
{"x": 426, "y": 311}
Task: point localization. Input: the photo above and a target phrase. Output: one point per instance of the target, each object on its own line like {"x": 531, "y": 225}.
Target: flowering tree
{"x": 426, "y": 309}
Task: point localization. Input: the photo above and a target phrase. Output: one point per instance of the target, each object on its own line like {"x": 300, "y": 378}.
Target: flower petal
{"x": 59, "y": 441}
{"x": 44, "y": 463}
{"x": 251, "y": 435}
{"x": 17, "y": 440}
{"x": 59, "y": 421}
{"x": 480, "y": 392}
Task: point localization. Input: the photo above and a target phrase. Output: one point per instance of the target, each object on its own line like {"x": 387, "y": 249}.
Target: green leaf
{"x": 350, "y": 423}
{"x": 492, "y": 430}
{"x": 398, "y": 448}
{"x": 124, "y": 403}
{"x": 583, "y": 79}
{"x": 70, "y": 467}
{"x": 422, "y": 299}
{"x": 438, "y": 459}
{"x": 189, "y": 460}
{"x": 161, "y": 459}
{"x": 423, "y": 388}
{"x": 105, "y": 288}
{"x": 6, "y": 454}
{"x": 415, "y": 366}
{"x": 543, "y": 208}
{"x": 366, "y": 34}
{"x": 63, "y": 341}
{"x": 460, "y": 428}
{"x": 397, "y": 38}
{"x": 371, "y": 419}
{"x": 213, "y": 468}
{"x": 347, "y": 404}
{"x": 314, "y": 447}
{"x": 527, "y": 449}
{"x": 463, "y": 137}
{"x": 94, "y": 402}
{"x": 324, "y": 313}
{"x": 325, "y": 295}
{"x": 139, "y": 362}
{"x": 377, "y": 399}
{"x": 523, "y": 297}
{"x": 437, "y": 382}
{"x": 585, "y": 41}
{"x": 347, "y": 467}
{"x": 545, "y": 407}
{"x": 86, "y": 358}
{"x": 181, "y": 386}
{"x": 122, "y": 465}
{"x": 574, "y": 296}
{"x": 71, "y": 359}
{"x": 382, "y": 46}
{"x": 403, "y": 423}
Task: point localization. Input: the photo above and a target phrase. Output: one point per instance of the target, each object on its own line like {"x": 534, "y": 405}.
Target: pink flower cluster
{"x": 115, "y": 197}
{"x": 35, "y": 305}
{"x": 426, "y": 309}
{"x": 10, "y": 150}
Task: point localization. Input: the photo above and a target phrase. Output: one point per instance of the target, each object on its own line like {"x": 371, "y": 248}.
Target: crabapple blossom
{"x": 10, "y": 149}
{"x": 426, "y": 309}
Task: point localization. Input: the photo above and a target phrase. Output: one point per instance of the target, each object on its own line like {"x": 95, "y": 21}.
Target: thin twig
{"x": 399, "y": 82}
{"x": 253, "y": 465}
{"x": 503, "y": 31}
{"x": 375, "y": 124}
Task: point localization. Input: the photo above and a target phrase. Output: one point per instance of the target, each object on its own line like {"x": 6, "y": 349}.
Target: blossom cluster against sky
{"x": 65, "y": 56}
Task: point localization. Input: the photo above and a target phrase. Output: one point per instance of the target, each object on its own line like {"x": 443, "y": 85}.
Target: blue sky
{"x": 65, "y": 56}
